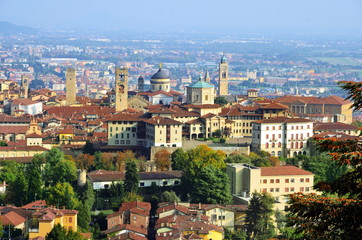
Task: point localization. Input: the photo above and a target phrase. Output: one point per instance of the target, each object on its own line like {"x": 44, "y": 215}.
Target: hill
{"x": 9, "y": 28}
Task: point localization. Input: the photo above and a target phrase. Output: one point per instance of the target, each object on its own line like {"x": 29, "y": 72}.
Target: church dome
{"x": 161, "y": 76}
{"x": 224, "y": 59}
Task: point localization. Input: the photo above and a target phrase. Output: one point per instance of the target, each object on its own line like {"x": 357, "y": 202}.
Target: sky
{"x": 237, "y": 16}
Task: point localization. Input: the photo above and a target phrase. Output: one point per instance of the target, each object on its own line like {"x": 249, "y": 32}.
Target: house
{"x": 43, "y": 221}
{"x": 26, "y": 106}
{"x": 282, "y": 136}
{"x": 102, "y": 179}
{"x": 15, "y": 218}
{"x": 132, "y": 218}
{"x": 337, "y": 127}
{"x": 277, "y": 181}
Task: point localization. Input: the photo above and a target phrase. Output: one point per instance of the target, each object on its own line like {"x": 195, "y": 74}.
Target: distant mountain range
{"x": 9, "y": 28}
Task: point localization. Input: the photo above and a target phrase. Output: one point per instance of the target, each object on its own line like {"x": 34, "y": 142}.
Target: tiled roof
{"x": 283, "y": 120}
{"x": 201, "y": 84}
{"x": 33, "y": 135}
{"x": 128, "y": 236}
{"x": 13, "y": 129}
{"x": 195, "y": 121}
{"x": 23, "y": 101}
{"x": 331, "y": 100}
{"x": 274, "y": 106}
{"x": 283, "y": 171}
{"x": 338, "y": 135}
{"x": 23, "y": 148}
{"x": 68, "y": 112}
{"x": 8, "y": 118}
{"x": 105, "y": 176}
{"x": 128, "y": 227}
{"x": 135, "y": 204}
{"x": 162, "y": 121}
{"x": 126, "y": 117}
{"x": 202, "y": 106}
{"x": 12, "y": 218}
{"x": 334, "y": 126}
{"x": 35, "y": 205}
{"x": 160, "y": 175}
{"x": 155, "y": 93}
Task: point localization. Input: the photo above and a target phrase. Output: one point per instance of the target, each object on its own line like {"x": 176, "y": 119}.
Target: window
{"x": 302, "y": 180}
{"x": 128, "y": 142}
{"x": 307, "y": 189}
{"x": 110, "y": 129}
{"x": 277, "y": 190}
{"x": 286, "y": 180}
{"x": 142, "y": 184}
{"x": 279, "y": 144}
{"x": 177, "y": 182}
{"x": 286, "y": 189}
{"x": 271, "y": 189}
{"x": 264, "y": 189}
{"x": 273, "y": 127}
{"x": 122, "y": 141}
{"x": 301, "y": 189}
{"x": 292, "y": 180}
{"x": 106, "y": 186}
{"x": 292, "y": 189}
{"x": 297, "y": 127}
{"x": 266, "y": 145}
{"x": 116, "y": 142}
{"x": 280, "y": 127}
{"x": 307, "y": 180}
{"x": 265, "y": 181}
{"x": 213, "y": 217}
{"x": 271, "y": 180}
{"x": 134, "y": 218}
{"x": 267, "y": 128}
{"x": 164, "y": 183}
{"x": 70, "y": 219}
{"x": 276, "y": 180}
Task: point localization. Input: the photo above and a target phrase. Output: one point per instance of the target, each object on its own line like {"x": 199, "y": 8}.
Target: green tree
{"x": 98, "y": 161}
{"x": 18, "y": 190}
{"x": 9, "y": 170}
{"x": 179, "y": 159}
{"x": 132, "y": 177}
{"x": 62, "y": 194}
{"x": 116, "y": 192}
{"x": 169, "y": 196}
{"x": 34, "y": 178}
{"x": 86, "y": 199}
{"x": 1, "y": 230}
{"x": 60, "y": 233}
{"x": 237, "y": 158}
{"x": 3, "y": 144}
{"x": 197, "y": 185}
{"x": 88, "y": 148}
{"x": 221, "y": 101}
{"x": 258, "y": 220}
{"x": 217, "y": 133}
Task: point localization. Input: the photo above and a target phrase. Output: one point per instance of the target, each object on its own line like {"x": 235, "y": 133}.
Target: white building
{"x": 282, "y": 136}
{"x": 24, "y": 105}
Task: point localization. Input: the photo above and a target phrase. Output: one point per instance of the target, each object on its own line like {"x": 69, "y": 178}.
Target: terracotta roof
{"x": 13, "y": 129}
{"x": 35, "y": 205}
{"x": 126, "y": 117}
{"x": 274, "y": 106}
{"x": 173, "y": 206}
{"x": 12, "y": 218}
{"x": 283, "y": 120}
{"x": 162, "y": 121}
{"x": 155, "y": 93}
{"x": 128, "y": 236}
{"x": 338, "y": 135}
{"x": 160, "y": 175}
{"x": 283, "y": 171}
{"x": 23, "y": 101}
{"x": 195, "y": 121}
{"x": 23, "y": 148}
{"x": 203, "y": 106}
{"x": 33, "y": 135}
{"x": 334, "y": 126}
{"x": 68, "y": 112}
{"x": 128, "y": 227}
{"x": 192, "y": 236}
{"x": 8, "y": 118}
{"x": 105, "y": 176}
{"x": 135, "y": 204}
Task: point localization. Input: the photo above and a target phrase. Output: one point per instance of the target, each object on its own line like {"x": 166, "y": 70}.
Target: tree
{"x": 86, "y": 199}
{"x": 132, "y": 177}
{"x": 221, "y": 101}
{"x": 207, "y": 185}
{"x": 34, "y": 178}
{"x": 237, "y": 158}
{"x": 179, "y": 159}
{"x": 1, "y": 230}
{"x": 62, "y": 194}
{"x": 169, "y": 196}
{"x": 339, "y": 217}
{"x": 3, "y": 144}
{"x": 18, "y": 190}
{"x": 88, "y": 148}
{"x": 60, "y": 233}
{"x": 162, "y": 160}
{"x": 258, "y": 220}
{"x": 85, "y": 161}
{"x": 9, "y": 170}
{"x": 217, "y": 133}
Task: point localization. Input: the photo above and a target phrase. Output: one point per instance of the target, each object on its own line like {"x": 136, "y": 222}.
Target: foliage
{"x": 1, "y": 230}
{"x": 259, "y": 224}
{"x": 132, "y": 196}
{"x": 85, "y": 161}
{"x": 207, "y": 185}
{"x": 34, "y": 178}
{"x": 237, "y": 158}
{"x": 217, "y": 133}
{"x": 132, "y": 177}
{"x": 86, "y": 199}
{"x": 179, "y": 159}
{"x": 116, "y": 192}
{"x": 321, "y": 217}
{"x": 18, "y": 190}
{"x": 3, "y": 144}
{"x": 169, "y": 196}
{"x": 162, "y": 160}
{"x": 60, "y": 233}
{"x": 62, "y": 194}
{"x": 221, "y": 101}
{"x": 234, "y": 235}
{"x": 8, "y": 171}
{"x": 88, "y": 148}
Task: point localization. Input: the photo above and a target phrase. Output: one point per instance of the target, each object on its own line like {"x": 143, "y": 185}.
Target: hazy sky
{"x": 298, "y": 16}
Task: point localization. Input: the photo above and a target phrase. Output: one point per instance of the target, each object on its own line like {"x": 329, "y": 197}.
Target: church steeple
{"x": 207, "y": 76}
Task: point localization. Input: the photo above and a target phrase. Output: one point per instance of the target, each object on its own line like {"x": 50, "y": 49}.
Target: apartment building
{"x": 282, "y": 136}
{"x": 277, "y": 181}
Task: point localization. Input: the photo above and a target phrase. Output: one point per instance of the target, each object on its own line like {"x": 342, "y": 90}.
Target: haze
{"x": 287, "y": 16}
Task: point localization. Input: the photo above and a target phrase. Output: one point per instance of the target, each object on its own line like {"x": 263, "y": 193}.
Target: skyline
{"x": 232, "y": 16}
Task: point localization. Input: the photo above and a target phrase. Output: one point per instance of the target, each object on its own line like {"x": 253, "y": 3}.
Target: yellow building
{"x": 44, "y": 220}
{"x": 277, "y": 181}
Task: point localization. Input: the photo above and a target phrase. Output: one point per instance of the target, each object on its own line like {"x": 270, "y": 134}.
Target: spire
{"x": 207, "y": 76}
{"x": 200, "y": 77}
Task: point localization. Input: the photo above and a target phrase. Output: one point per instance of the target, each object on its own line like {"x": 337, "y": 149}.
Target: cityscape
{"x": 115, "y": 126}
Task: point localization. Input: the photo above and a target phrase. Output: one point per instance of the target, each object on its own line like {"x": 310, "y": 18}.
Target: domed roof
{"x": 201, "y": 84}
{"x": 161, "y": 74}
{"x": 140, "y": 78}
{"x": 224, "y": 59}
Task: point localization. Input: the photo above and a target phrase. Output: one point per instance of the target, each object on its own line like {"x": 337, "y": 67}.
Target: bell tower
{"x": 24, "y": 86}
{"x": 223, "y": 76}
{"x": 70, "y": 86}
{"x": 121, "y": 89}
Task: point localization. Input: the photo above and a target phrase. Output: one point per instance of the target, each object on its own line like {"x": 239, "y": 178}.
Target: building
{"x": 312, "y": 107}
{"x": 160, "y": 81}
{"x": 102, "y": 179}
{"x": 121, "y": 78}
{"x": 277, "y": 181}
{"x": 71, "y": 86}
{"x": 43, "y": 221}
{"x": 201, "y": 92}
{"x": 24, "y": 88}
{"x": 282, "y": 136}
{"x": 141, "y": 84}
{"x": 223, "y": 76}
{"x": 22, "y": 106}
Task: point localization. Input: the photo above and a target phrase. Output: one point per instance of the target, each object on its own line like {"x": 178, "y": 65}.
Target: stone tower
{"x": 71, "y": 86}
{"x": 141, "y": 84}
{"x": 207, "y": 76}
{"x": 121, "y": 89}
{"x": 223, "y": 76}
{"x": 24, "y": 88}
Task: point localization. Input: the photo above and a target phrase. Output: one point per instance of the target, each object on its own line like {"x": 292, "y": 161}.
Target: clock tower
{"x": 24, "y": 88}
{"x": 121, "y": 89}
{"x": 223, "y": 76}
